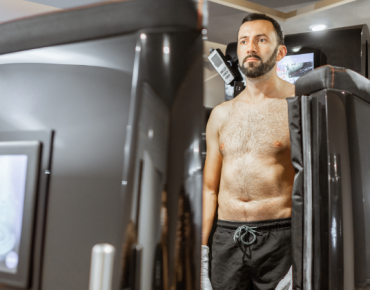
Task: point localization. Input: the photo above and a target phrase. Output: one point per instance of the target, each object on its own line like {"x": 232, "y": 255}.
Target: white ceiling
{"x": 223, "y": 21}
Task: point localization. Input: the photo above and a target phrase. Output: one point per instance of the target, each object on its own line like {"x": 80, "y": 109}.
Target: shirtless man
{"x": 248, "y": 172}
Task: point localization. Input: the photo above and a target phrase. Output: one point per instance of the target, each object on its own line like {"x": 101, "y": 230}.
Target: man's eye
{"x": 242, "y": 42}
{"x": 262, "y": 40}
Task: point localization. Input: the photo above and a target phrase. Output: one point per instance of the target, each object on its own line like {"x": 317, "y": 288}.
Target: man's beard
{"x": 254, "y": 71}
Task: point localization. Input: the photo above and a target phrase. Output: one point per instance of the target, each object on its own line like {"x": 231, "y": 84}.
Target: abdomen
{"x": 255, "y": 187}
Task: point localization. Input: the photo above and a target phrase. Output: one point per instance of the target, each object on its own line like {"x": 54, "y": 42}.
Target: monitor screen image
{"x": 291, "y": 67}
{"x": 13, "y": 173}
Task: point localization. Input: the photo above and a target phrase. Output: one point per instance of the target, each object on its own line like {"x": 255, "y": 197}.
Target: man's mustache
{"x": 250, "y": 56}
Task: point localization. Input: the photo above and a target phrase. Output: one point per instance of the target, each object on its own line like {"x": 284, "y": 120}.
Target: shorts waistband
{"x": 266, "y": 225}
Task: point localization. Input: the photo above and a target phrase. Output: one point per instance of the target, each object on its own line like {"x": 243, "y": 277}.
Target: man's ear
{"x": 281, "y": 52}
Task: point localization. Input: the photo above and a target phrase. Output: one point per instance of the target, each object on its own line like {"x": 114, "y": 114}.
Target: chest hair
{"x": 256, "y": 129}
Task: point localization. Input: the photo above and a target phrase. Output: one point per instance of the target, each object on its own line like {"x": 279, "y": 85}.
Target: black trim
{"x": 295, "y": 127}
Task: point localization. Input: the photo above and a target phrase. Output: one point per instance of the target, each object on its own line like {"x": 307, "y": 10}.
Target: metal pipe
{"x": 102, "y": 257}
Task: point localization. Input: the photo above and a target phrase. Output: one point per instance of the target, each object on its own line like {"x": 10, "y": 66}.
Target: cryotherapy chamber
{"x": 330, "y": 138}
{"x": 101, "y": 127}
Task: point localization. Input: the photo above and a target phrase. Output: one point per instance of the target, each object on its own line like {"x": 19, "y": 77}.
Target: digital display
{"x": 13, "y": 174}
{"x": 292, "y": 67}
{"x": 217, "y": 60}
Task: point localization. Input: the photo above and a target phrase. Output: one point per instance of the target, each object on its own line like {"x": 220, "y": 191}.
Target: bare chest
{"x": 259, "y": 129}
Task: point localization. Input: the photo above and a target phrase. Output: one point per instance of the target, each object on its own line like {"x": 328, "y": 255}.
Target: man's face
{"x": 258, "y": 49}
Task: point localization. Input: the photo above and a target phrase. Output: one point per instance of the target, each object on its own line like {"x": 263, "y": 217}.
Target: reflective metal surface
{"x": 163, "y": 170}
{"x": 333, "y": 246}
{"x": 101, "y": 271}
{"x": 86, "y": 104}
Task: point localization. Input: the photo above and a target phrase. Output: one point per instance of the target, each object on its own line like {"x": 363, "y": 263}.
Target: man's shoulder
{"x": 222, "y": 110}
{"x": 219, "y": 113}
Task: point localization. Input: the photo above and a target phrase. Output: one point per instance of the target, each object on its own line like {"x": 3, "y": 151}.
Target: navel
{"x": 278, "y": 144}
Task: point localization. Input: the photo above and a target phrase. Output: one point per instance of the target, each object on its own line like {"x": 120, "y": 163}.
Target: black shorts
{"x": 250, "y": 258}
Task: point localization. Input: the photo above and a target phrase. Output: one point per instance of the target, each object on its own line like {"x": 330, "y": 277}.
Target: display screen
{"x": 292, "y": 67}
{"x": 13, "y": 173}
{"x": 217, "y": 60}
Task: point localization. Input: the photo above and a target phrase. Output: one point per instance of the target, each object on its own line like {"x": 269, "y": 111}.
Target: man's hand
{"x": 205, "y": 282}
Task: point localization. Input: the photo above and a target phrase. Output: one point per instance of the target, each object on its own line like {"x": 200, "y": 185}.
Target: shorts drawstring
{"x": 239, "y": 236}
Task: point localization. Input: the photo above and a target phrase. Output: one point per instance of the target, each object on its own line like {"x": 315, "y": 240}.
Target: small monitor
{"x": 292, "y": 67}
{"x": 19, "y": 165}
{"x": 13, "y": 173}
{"x": 217, "y": 60}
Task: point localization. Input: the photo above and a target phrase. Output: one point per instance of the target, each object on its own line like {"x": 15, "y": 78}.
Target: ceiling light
{"x": 166, "y": 50}
{"x": 143, "y": 36}
{"x": 296, "y": 49}
{"x": 318, "y": 27}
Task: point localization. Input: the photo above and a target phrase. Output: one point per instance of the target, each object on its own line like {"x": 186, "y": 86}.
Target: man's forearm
{"x": 209, "y": 213}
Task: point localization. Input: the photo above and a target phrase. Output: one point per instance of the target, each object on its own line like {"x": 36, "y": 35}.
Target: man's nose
{"x": 251, "y": 47}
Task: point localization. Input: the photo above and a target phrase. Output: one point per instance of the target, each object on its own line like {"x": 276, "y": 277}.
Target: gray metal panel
{"x": 87, "y": 106}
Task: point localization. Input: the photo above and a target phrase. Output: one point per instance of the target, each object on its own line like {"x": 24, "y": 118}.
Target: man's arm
{"x": 211, "y": 174}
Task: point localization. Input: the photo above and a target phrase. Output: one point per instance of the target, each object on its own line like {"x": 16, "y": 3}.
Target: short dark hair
{"x": 277, "y": 27}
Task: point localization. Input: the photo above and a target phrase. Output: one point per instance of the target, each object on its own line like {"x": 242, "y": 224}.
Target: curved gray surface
{"x": 95, "y": 21}
{"x": 329, "y": 77}
{"x": 89, "y": 118}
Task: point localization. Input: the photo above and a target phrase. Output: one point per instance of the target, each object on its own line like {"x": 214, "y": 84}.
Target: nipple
{"x": 278, "y": 144}
{"x": 222, "y": 146}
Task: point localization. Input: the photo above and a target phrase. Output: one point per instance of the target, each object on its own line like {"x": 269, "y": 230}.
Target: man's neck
{"x": 266, "y": 86}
